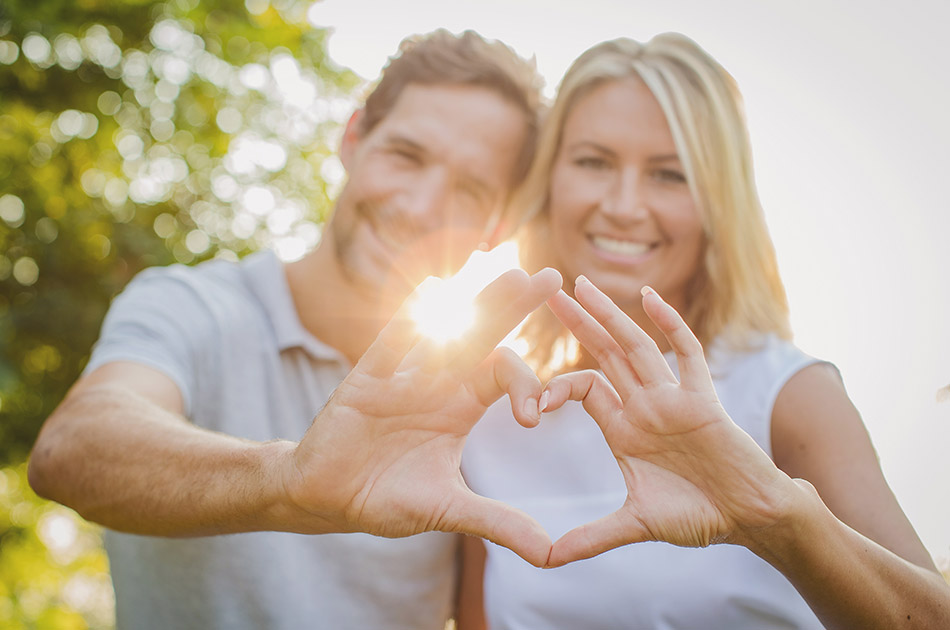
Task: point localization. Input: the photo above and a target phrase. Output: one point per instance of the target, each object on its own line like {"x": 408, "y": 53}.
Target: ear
{"x": 352, "y": 135}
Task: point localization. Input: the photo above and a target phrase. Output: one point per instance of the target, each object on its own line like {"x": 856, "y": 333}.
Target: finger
{"x": 500, "y": 307}
{"x": 428, "y": 355}
{"x": 395, "y": 340}
{"x": 501, "y": 524}
{"x": 600, "y": 399}
{"x": 694, "y": 371}
{"x": 638, "y": 347}
{"x": 505, "y": 372}
{"x": 598, "y": 342}
{"x": 596, "y": 537}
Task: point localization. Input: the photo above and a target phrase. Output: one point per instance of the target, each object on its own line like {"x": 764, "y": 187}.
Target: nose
{"x": 425, "y": 201}
{"x": 625, "y": 200}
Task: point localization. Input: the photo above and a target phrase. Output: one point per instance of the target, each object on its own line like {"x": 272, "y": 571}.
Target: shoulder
{"x": 749, "y": 380}
{"x": 815, "y": 425}
{"x": 185, "y": 321}
{"x": 214, "y": 278}
{"x": 209, "y": 291}
{"x": 765, "y": 357}
{"x": 184, "y": 311}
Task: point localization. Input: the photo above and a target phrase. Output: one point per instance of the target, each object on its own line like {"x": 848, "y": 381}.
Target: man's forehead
{"x": 444, "y": 102}
{"x": 462, "y": 122}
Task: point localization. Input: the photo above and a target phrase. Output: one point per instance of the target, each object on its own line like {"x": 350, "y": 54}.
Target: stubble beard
{"x": 379, "y": 284}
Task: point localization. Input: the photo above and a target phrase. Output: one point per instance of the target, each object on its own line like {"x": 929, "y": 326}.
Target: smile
{"x": 620, "y": 247}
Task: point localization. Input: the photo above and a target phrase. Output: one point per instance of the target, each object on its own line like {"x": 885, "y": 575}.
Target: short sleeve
{"x": 159, "y": 320}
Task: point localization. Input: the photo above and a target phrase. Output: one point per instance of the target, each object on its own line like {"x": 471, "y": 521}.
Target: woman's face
{"x": 621, "y": 211}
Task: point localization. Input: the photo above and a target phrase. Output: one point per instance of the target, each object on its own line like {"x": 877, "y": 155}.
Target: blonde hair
{"x": 738, "y": 291}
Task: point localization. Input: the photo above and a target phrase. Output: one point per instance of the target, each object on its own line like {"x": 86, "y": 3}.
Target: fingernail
{"x": 543, "y": 403}
{"x": 646, "y": 290}
{"x": 581, "y": 278}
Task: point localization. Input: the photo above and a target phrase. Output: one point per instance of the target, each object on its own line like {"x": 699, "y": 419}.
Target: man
{"x": 184, "y": 426}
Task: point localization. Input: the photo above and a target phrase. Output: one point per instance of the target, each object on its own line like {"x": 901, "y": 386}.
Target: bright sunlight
{"x": 444, "y": 310}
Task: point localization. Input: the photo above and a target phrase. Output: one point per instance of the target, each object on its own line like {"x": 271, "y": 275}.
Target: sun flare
{"x": 444, "y": 310}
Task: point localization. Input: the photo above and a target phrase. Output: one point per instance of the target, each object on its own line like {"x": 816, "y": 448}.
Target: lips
{"x": 616, "y": 247}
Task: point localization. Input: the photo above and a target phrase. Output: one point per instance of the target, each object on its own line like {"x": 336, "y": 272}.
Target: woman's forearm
{"x": 849, "y": 580}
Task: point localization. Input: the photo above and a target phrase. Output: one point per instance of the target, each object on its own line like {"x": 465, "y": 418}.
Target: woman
{"x": 644, "y": 179}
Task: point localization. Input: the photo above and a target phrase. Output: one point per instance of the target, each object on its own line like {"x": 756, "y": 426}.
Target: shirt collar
{"x": 265, "y": 276}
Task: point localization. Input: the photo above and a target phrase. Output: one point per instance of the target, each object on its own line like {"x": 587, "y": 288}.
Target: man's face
{"x": 425, "y": 185}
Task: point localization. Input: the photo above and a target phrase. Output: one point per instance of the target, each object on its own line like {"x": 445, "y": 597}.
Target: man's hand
{"x": 693, "y": 477}
{"x": 383, "y": 455}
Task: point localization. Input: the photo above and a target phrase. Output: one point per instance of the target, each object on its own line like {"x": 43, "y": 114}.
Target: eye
{"x": 592, "y": 162}
{"x": 406, "y": 156}
{"x": 669, "y": 176}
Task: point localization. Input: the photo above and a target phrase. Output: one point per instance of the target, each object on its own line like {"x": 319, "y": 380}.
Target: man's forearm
{"x": 124, "y": 462}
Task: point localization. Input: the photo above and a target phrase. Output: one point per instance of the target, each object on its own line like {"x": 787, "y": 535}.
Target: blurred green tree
{"x": 54, "y": 573}
{"x": 137, "y": 133}
{"x": 134, "y": 133}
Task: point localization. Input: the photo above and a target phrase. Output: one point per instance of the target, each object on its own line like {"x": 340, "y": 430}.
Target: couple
{"x": 195, "y": 417}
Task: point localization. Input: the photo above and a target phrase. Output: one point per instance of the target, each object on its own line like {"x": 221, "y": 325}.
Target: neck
{"x": 331, "y": 308}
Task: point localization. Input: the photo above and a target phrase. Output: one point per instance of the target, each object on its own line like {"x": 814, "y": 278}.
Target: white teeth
{"x": 624, "y": 248}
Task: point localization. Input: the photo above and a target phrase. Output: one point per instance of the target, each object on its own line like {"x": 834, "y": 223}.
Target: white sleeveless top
{"x": 563, "y": 474}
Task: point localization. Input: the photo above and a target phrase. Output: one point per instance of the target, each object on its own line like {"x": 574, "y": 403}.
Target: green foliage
{"x": 134, "y": 133}
{"x": 54, "y": 573}
{"x": 138, "y": 133}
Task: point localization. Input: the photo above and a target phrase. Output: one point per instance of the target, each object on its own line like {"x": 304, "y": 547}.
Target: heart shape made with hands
{"x": 692, "y": 476}
{"x": 384, "y": 454}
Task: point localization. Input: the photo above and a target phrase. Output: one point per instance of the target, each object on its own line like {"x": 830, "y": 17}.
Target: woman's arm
{"x": 818, "y": 435}
{"x": 859, "y": 527}
{"x": 694, "y": 478}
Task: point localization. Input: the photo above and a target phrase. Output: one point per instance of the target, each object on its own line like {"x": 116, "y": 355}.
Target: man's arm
{"x": 119, "y": 451}
{"x": 381, "y": 457}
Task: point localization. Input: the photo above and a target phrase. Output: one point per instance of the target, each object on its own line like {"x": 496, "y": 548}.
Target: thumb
{"x": 596, "y": 537}
{"x": 501, "y": 524}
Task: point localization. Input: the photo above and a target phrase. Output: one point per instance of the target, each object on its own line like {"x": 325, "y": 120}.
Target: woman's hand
{"x": 693, "y": 477}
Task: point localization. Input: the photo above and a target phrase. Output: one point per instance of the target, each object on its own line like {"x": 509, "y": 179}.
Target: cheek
{"x": 573, "y": 188}
{"x": 569, "y": 203}
{"x": 682, "y": 222}
{"x": 566, "y": 244}
{"x": 380, "y": 176}
{"x": 690, "y": 238}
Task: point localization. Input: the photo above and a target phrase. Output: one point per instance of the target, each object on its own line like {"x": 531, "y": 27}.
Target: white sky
{"x": 847, "y": 106}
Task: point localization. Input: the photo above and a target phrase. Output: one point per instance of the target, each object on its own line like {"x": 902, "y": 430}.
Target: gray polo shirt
{"x": 228, "y": 335}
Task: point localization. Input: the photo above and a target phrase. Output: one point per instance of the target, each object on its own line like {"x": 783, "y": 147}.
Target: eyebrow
{"x": 469, "y": 179}
{"x": 669, "y": 157}
{"x": 665, "y": 158}
{"x": 405, "y": 142}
